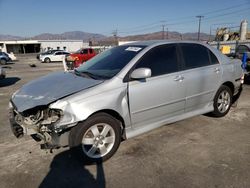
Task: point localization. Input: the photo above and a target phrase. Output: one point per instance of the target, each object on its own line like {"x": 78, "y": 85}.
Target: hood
{"x": 50, "y": 88}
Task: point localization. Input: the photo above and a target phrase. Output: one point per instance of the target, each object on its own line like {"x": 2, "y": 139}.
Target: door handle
{"x": 217, "y": 70}
{"x": 179, "y": 78}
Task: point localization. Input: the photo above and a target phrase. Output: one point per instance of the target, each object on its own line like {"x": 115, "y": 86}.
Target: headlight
{"x": 10, "y": 105}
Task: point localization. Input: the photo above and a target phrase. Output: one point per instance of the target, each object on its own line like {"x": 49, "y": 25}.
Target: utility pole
{"x": 167, "y": 33}
{"x": 163, "y": 32}
{"x": 210, "y": 33}
{"x": 115, "y": 36}
{"x": 199, "y": 28}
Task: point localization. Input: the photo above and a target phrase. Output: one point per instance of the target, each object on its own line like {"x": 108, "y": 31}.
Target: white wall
{"x": 71, "y": 46}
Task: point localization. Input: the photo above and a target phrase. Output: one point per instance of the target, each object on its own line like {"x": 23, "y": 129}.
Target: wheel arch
{"x": 117, "y": 116}
{"x": 230, "y": 85}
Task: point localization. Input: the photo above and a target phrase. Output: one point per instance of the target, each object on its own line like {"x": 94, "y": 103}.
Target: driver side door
{"x": 162, "y": 95}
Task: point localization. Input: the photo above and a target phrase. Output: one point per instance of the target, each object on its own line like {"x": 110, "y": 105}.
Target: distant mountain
{"x": 10, "y": 37}
{"x": 84, "y": 36}
{"x": 170, "y": 35}
{"x": 73, "y": 35}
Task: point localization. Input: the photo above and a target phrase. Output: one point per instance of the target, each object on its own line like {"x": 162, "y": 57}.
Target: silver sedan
{"x": 123, "y": 92}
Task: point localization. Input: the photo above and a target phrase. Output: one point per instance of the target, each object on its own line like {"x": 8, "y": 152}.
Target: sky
{"x": 28, "y": 18}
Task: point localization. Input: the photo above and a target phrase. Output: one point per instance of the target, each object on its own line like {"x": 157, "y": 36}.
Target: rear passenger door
{"x": 202, "y": 75}
{"x": 163, "y": 94}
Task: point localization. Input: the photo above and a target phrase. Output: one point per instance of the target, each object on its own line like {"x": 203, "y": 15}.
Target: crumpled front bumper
{"x": 47, "y": 140}
{"x": 16, "y": 129}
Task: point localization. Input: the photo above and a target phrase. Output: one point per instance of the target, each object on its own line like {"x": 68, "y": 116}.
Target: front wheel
{"x": 3, "y": 62}
{"x": 47, "y": 60}
{"x": 96, "y": 139}
{"x": 222, "y": 101}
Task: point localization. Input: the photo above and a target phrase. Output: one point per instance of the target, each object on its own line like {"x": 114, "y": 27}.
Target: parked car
{"x": 123, "y": 92}
{"x": 56, "y": 56}
{"x": 2, "y": 73}
{"x": 4, "y": 58}
{"x": 46, "y": 53}
{"x": 74, "y": 60}
{"x": 241, "y": 49}
{"x": 12, "y": 56}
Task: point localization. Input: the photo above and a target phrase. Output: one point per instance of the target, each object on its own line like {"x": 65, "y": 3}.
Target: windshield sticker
{"x": 133, "y": 49}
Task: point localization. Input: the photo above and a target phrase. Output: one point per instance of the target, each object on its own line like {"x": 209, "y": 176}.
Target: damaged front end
{"x": 31, "y": 113}
{"x": 39, "y": 123}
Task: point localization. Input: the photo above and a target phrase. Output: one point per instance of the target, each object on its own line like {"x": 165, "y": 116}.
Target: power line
{"x": 229, "y": 13}
{"x": 228, "y": 8}
{"x": 139, "y": 30}
{"x": 189, "y": 19}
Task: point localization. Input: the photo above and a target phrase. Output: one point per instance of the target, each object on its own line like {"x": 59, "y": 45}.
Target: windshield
{"x": 78, "y": 51}
{"x": 110, "y": 62}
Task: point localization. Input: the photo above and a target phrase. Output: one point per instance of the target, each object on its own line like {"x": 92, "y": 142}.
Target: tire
{"x": 47, "y": 60}
{"x": 222, "y": 101}
{"x": 96, "y": 139}
{"x": 3, "y": 61}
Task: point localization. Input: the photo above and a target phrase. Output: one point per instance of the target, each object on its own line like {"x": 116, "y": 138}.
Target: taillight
{"x": 242, "y": 79}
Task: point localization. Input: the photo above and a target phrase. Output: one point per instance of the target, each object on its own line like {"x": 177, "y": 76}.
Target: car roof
{"x": 245, "y": 45}
{"x": 160, "y": 42}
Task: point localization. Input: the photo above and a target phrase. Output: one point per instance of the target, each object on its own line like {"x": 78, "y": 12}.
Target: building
{"x": 36, "y": 46}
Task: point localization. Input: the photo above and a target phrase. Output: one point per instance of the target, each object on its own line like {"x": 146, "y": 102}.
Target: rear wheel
{"x": 222, "y": 101}
{"x": 47, "y": 60}
{"x": 96, "y": 139}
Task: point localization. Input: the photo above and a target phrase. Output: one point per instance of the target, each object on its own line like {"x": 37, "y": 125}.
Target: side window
{"x": 161, "y": 60}
{"x": 213, "y": 58}
{"x": 195, "y": 55}
{"x": 58, "y": 53}
{"x": 90, "y": 51}
{"x": 242, "y": 48}
{"x": 85, "y": 51}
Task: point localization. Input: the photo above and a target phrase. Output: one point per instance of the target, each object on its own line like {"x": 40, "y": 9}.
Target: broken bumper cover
{"x": 48, "y": 137}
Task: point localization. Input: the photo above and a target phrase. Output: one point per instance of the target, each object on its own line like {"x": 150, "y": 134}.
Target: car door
{"x": 56, "y": 56}
{"x": 83, "y": 55}
{"x": 202, "y": 75}
{"x": 163, "y": 94}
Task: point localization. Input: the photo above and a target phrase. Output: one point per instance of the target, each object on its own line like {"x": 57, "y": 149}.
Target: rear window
{"x": 195, "y": 55}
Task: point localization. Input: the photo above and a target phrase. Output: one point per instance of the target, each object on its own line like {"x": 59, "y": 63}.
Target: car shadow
{"x": 9, "y": 81}
{"x": 66, "y": 170}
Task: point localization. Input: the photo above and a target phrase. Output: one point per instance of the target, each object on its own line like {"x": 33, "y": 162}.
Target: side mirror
{"x": 141, "y": 73}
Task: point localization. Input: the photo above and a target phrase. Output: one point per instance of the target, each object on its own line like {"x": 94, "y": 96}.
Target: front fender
{"x": 81, "y": 109}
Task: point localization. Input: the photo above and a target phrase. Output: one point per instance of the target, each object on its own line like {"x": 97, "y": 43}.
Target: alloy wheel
{"x": 98, "y": 140}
